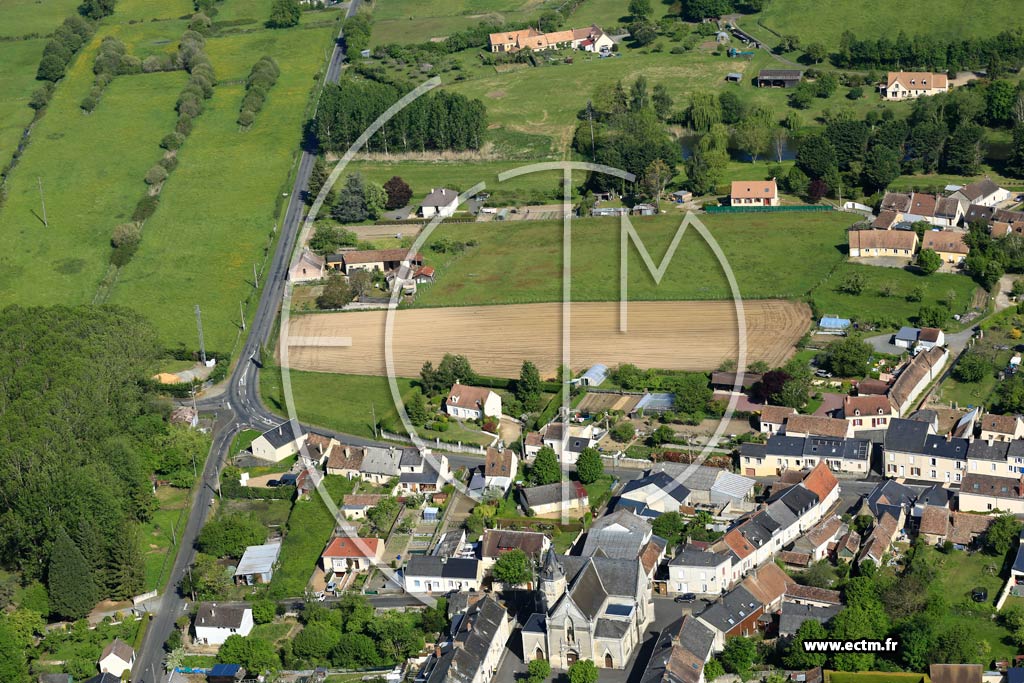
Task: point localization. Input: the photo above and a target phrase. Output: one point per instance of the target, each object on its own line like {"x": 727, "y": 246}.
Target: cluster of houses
{"x": 891, "y": 233}
{"x": 588, "y": 39}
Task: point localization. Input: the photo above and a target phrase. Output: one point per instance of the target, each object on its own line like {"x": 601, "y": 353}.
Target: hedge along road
{"x": 497, "y": 339}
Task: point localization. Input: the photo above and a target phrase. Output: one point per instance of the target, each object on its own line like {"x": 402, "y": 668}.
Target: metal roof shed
{"x": 595, "y": 375}
{"x": 834, "y": 323}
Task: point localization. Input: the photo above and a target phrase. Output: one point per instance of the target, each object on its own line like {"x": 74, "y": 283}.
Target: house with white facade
{"x": 216, "y": 621}
{"x": 440, "y": 202}
{"x": 984, "y": 192}
{"x": 279, "y": 442}
{"x": 117, "y": 658}
{"x": 343, "y": 554}
{"x": 473, "y": 647}
{"x": 704, "y": 572}
{"x": 500, "y": 468}
{"x": 472, "y": 403}
{"x": 904, "y": 85}
{"x": 433, "y": 574}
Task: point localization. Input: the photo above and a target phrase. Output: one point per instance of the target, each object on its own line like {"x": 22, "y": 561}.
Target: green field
{"x": 825, "y": 22}
{"x": 146, "y": 10}
{"x": 237, "y": 195}
{"x": 22, "y": 17}
{"x": 91, "y": 168}
{"x": 871, "y": 304}
{"x": 157, "y": 533}
{"x": 773, "y": 256}
{"x": 415, "y": 21}
{"x": 18, "y": 63}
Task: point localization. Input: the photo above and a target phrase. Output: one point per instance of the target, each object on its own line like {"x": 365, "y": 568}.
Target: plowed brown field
{"x": 685, "y": 335}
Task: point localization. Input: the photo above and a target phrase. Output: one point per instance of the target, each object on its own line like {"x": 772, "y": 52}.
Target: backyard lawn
{"x": 156, "y": 535}
{"x": 894, "y": 309}
{"x": 309, "y": 528}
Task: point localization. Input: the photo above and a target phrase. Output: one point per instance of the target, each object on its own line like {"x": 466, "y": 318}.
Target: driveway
{"x": 1003, "y": 294}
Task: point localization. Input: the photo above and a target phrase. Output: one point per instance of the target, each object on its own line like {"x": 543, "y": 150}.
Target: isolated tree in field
{"x": 513, "y": 568}
{"x": 583, "y": 671}
{"x": 1002, "y": 535}
{"x": 399, "y": 193}
{"x": 705, "y": 111}
{"x": 350, "y": 205}
{"x": 546, "y": 468}
{"x": 589, "y": 466}
{"x": 932, "y": 316}
{"x": 73, "y": 592}
{"x": 848, "y": 357}
{"x": 853, "y": 284}
{"x": 928, "y": 261}
{"x": 972, "y": 367}
{"x": 640, "y": 9}
{"x": 336, "y": 293}
{"x": 284, "y": 13}
{"x": 528, "y": 387}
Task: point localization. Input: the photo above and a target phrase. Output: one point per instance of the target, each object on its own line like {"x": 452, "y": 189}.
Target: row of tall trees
{"x": 996, "y": 54}
{"x": 437, "y": 121}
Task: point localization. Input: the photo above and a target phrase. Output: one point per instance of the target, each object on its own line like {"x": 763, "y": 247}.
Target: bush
{"x": 156, "y": 175}
{"x": 169, "y": 163}
{"x": 184, "y": 125}
{"x": 246, "y": 118}
{"x": 126, "y": 235}
{"x": 41, "y": 97}
{"x": 88, "y": 103}
{"x": 855, "y": 93}
{"x": 145, "y": 208}
{"x": 172, "y": 141}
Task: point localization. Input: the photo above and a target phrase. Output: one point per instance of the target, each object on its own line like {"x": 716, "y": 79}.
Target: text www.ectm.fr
{"x": 861, "y": 645}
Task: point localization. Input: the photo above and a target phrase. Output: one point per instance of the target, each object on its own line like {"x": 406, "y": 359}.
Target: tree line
{"x": 262, "y": 77}
{"x": 81, "y": 431}
{"x": 436, "y": 121}
{"x": 996, "y": 55}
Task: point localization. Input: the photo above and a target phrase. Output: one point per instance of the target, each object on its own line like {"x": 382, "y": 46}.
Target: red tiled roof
{"x": 352, "y": 547}
{"x": 821, "y": 481}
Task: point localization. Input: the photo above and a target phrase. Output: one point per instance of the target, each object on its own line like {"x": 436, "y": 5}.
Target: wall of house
{"x": 972, "y": 502}
{"x": 1012, "y": 467}
{"x": 217, "y": 636}
{"x": 261, "y": 448}
{"x": 434, "y": 584}
{"x": 705, "y": 581}
{"x": 923, "y": 467}
{"x": 571, "y": 507}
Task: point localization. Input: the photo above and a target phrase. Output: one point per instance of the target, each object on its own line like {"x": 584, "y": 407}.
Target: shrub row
{"x": 65, "y": 43}
{"x": 261, "y": 79}
{"x": 111, "y": 60}
{"x": 190, "y": 56}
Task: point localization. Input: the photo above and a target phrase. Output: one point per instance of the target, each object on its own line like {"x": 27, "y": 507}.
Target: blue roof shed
{"x": 831, "y": 322}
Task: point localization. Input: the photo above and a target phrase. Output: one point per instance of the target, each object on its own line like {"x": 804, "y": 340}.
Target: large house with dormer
{"x": 905, "y": 85}
{"x": 589, "y": 39}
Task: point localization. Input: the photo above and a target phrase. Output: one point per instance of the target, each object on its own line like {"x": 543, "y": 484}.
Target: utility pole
{"x": 590, "y": 117}
{"x": 255, "y": 276}
{"x": 202, "y": 345}
{"x": 195, "y": 472}
{"x": 42, "y": 200}
{"x": 373, "y": 413}
{"x": 241, "y": 314}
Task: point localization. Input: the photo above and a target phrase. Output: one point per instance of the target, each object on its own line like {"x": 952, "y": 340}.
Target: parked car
{"x": 979, "y": 594}
{"x": 273, "y": 483}
{"x": 686, "y": 597}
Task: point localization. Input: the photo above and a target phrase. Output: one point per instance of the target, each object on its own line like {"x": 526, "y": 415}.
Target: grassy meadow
{"x": 825, "y": 22}
{"x": 773, "y": 256}
{"x": 91, "y": 168}
{"x": 219, "y": 208}
{"x": 413, "y": 21}
{"x": 24, "y": 17}
{"x": 18, "y": 62}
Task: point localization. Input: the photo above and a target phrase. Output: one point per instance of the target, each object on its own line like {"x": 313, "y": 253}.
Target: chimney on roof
{"x": 949, "y": 437}
{"x": 280, "y": 429}
{"x": 437, "y": 651}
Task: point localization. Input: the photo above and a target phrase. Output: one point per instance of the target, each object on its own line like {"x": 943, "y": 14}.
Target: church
{"x": 595, "y": 608}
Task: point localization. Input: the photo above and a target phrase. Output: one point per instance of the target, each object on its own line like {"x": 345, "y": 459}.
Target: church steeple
{"x": 552, "y": 579}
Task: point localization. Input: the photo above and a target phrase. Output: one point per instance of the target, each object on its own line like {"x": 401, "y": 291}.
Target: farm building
{"x": 383, "y": 260}
{"x": 779, "y": 78}
{"x": 870, "y": 243}
{"x": 595, "y": 376}
{"x": 949, "y": 245}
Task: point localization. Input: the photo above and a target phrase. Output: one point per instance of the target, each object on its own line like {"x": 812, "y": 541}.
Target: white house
{"x": 117, "y": 657}
{"x": 703, "y": 572}
{"x": 279, "y": 442}
{"x": 440, "y": 202}
{"x": 432, "y": 574}
{"x": 500, "y": 467}
{"x": 472, "y": 403}
{"x": 903, "y": 85}
{"x": 215, "y": 621}
{"x": 983, "y": 192}
{"x": 477, "y": 644}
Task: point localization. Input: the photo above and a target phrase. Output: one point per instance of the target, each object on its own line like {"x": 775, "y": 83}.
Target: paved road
{"x": 238, "y": 408}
